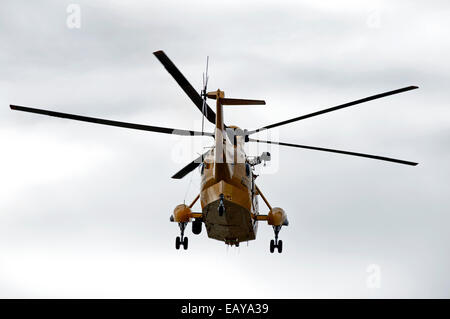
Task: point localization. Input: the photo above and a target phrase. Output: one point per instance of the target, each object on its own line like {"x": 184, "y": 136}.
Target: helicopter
{"x": 228, "y": 191}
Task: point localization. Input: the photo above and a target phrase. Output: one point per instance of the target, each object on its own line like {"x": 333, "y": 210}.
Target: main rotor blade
{"x": 335, "y": 108}
{"x": 185, "y": 85}
{"x": 381, "y": 158}
{"x": 134, "y": 126}
{"x": 190, "y": 167}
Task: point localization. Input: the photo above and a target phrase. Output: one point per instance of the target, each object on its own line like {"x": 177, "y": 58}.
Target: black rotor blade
{"x": 134, "y": 126}
{"x": 338, "y": 107}
{"x": 185, "y": 85}
{"x": 190, "y": 167}
{"x": 381, "y": 158}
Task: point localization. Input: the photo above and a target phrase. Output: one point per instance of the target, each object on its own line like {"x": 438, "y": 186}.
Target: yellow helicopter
{"x": 228, "y": 193}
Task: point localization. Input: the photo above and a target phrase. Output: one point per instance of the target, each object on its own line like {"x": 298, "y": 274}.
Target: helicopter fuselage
{"x": 227, "y": 193}
{"x": 228, "y": 197}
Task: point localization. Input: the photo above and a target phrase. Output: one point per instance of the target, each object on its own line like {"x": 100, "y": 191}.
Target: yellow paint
{"x": 182, "y": 214}
{"x": 276, "y": 216}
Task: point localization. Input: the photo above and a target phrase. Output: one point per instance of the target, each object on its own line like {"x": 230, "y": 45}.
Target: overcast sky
{"x": 84, "y": 209}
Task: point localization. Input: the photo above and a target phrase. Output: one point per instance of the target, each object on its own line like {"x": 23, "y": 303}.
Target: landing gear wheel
{"x": 181, "y": 240}
{"x": 275, "y": 243}
{"x": 280, "y": 246}
{"x": 197, "y": 227}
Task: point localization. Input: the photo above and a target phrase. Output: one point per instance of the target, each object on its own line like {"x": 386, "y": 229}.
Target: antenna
{"x": 204, "y": 94}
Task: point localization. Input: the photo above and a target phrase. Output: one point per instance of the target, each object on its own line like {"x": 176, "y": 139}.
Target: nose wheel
{"x": 275, "y": 243}
{"x": 181, "y": 240}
